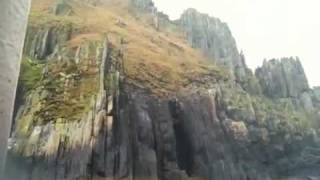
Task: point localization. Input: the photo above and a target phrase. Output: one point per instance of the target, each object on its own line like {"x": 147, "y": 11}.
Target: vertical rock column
{"x": 13, "y": 20}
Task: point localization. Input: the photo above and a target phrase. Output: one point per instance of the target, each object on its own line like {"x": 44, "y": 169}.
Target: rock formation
{"x": 282, "y": 78}
{"x": 214, "y": 38}
{"x": 143, "y": 4}
{"x": 285, "y": 79}
{"x": 139, "y": 103}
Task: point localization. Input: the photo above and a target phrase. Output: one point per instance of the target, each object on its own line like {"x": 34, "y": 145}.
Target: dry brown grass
{"x": 153, "y": 59}
{"x": 84, "y": 37}
{"x": 42, "y": 5}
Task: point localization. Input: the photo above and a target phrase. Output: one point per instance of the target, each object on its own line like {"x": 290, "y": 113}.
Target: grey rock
{"x": 306, "y": 101}
{"x": 316, "y": 97}
{"x": 143, "y": 4}
{"x": 62, "y": 8}
{"x": 214, "y": 38}
{"x": 41, "y": 43}
{"x": 282, "y": 78}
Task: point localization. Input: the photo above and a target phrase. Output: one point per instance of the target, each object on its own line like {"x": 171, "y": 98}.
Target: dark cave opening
{"x": 183, "y": 145}
{"x": 183, "y": 149}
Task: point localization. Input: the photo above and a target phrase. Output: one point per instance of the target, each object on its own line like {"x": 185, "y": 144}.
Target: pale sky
{"x": 265, "y": 28}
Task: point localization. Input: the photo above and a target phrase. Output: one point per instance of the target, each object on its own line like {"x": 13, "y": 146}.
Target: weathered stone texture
{"x": 282, "y": 78}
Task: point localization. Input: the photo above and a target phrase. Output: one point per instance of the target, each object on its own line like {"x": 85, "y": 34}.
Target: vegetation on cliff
{"x": 105, "y": 83}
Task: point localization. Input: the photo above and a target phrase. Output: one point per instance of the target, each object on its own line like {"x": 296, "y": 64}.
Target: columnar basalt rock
{"x": 214, "y": 38}
{"x": 143, "y": 4}
{"x": 41, "y": 43}
{"x": 285, "y": 79}
{"x": 282, "y": 78}
{"x": 62, "y": 7}
{"x": 57, "y": 139}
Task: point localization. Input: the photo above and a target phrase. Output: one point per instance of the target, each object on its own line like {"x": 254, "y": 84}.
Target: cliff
{"x": 106, "y": 94}
{"x": 285, "y": 79}
{"x": 212, "y": 36}
{"x": 282, "y": 78}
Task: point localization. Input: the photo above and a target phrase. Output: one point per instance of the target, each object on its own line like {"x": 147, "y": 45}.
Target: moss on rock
{"x": 30, "y": 74}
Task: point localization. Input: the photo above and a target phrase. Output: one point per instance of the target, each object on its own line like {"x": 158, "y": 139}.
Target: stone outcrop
{"x": 143, "y": 4}
{"x": 158, "y": 20}
{"x": 285, "y": 79}
{"x": 41, "y": 43}
{"x": 282, "y": 78}
{"x": 214, "y": 38}
{"x": 62, "y": 8}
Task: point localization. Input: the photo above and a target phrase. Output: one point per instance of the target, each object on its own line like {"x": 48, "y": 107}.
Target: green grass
{"x": 30, "y": 74}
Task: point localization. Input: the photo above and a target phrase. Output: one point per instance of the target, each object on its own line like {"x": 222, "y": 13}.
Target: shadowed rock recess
{"x": 112, "y": 89}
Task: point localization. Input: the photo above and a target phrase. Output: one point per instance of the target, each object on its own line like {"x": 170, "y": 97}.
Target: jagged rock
{"x": 282, "y": 78}
{"x": 294, "y": 72}
{"x": 306, "y": 101}
{"x": 214, "y": 38}
{"x": 147, "y": 5}
{"x": 286, "y": 79}
{"x": 41, "y": 43}
{"x": 62, "y": 8}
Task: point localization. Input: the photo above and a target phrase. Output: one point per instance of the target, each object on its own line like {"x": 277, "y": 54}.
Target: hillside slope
{"x": 114, "y": 90}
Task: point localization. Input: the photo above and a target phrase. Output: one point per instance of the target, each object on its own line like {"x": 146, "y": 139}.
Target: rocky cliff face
{"x": 282, "y": 78}
{"x": 119, "y": 105}
{"x": 214, "y": 38}
{"x": 285, "y": 79}
{"x": 143, "y": 4}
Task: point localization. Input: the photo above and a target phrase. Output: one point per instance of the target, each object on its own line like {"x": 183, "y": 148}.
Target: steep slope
{"x": 213, "y": 37}
{"x": 112, "y": 90}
